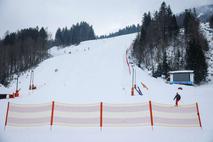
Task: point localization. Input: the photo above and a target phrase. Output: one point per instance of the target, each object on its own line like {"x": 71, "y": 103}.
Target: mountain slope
{"x": 97, "y": 71}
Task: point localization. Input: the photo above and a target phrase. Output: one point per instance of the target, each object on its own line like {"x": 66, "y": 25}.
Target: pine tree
{"x": 58, "y": 37}
{"x": 191, "y": 25}
{"x": 163, "y": 21}
{"x": 195, "y": 57}
{"x": 177, "y": 61}
{"x": 174, "y": 28}
{"x": 196, "y": 61}
{"x": 165, "y": 66}
{"x": 144, "y": 29}
{"x": 211, "y": 21}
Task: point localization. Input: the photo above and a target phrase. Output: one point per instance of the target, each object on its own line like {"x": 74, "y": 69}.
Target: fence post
{"x": 151, "y": 114}
{"x": 52, "y": 113}
{"x": 198, "y": 114}
{"x": 101, "y": 115}
{"x": 6, "y": 117}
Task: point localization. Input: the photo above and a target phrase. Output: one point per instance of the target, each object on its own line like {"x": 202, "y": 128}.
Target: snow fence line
{"x": 102, "y": 115}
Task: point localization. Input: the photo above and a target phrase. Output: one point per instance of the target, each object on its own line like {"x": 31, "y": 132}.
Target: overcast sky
{"x": 105, "y": 15}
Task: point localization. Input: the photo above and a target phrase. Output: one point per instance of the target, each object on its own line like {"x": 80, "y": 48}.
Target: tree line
{"x": 127, "y": 30}
{"x": 162, "y": 46}
{"x": 77, "y": 33}
{"x": 21, "y": 50}
{"x": 26, "y": 48}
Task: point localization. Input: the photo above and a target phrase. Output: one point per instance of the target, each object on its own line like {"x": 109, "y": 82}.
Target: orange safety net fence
{"x": 28, "y": 115}
{"x": 173, "y": 116}
{"x": 125, "y": 115}
{"x": 78, "y": 115}
{"x": 103, "y": 115}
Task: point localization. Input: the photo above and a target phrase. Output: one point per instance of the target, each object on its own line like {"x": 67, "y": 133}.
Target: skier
{"x": 177, "y": 98}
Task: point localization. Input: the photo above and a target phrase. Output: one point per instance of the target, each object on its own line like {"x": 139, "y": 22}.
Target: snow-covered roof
{"x": 181, "y": 71}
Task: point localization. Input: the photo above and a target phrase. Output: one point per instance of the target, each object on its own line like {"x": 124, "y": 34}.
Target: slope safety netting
{"x": 170, "y": 115}
{"x": 84, "y": 115}
{"x": 103, "y": 115}
{"x": 126, "y": 115}
{"x": 28, "y": 115}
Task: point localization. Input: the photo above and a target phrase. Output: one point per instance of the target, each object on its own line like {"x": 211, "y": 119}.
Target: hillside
{"x": 96, "y": 71}
{"x": 204, "y": 12}
{"x": 208, "y": 33}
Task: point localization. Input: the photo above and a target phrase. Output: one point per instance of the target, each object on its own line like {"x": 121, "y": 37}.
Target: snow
{"x": 96, "y": 71}
{"x": 182, "y": 71}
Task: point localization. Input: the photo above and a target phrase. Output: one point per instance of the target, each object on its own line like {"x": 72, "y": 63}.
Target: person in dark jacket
{"x": 177, "y": 98}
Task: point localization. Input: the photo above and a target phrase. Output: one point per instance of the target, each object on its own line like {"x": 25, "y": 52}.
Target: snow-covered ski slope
{"x": 96, "y": 71}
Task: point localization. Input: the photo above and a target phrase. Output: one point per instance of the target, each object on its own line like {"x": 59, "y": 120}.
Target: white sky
{"x": 105, "y": 15}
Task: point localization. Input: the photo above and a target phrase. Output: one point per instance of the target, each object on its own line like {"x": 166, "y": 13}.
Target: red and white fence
{"x": 126, "y": 115}
{"x": 86, "y": 115}
{"x": 103, "y": 115}
{"x": 28, "y": 115}
{"x": 181, "y": 116}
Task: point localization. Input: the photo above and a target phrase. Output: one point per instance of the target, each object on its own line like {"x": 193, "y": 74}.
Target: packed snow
{"x": 96, "y": 71}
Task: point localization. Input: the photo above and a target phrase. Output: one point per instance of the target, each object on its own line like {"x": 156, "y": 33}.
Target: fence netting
{"x": 29, "y": 115}
{"x": 103, "y": 115}
{"x": 125, "y": 115}
{"x": 78, "y": 115}
{"x": 173, "y": 116}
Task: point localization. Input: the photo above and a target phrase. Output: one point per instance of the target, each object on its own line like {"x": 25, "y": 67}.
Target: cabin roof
{"x": 181, "y": 71}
